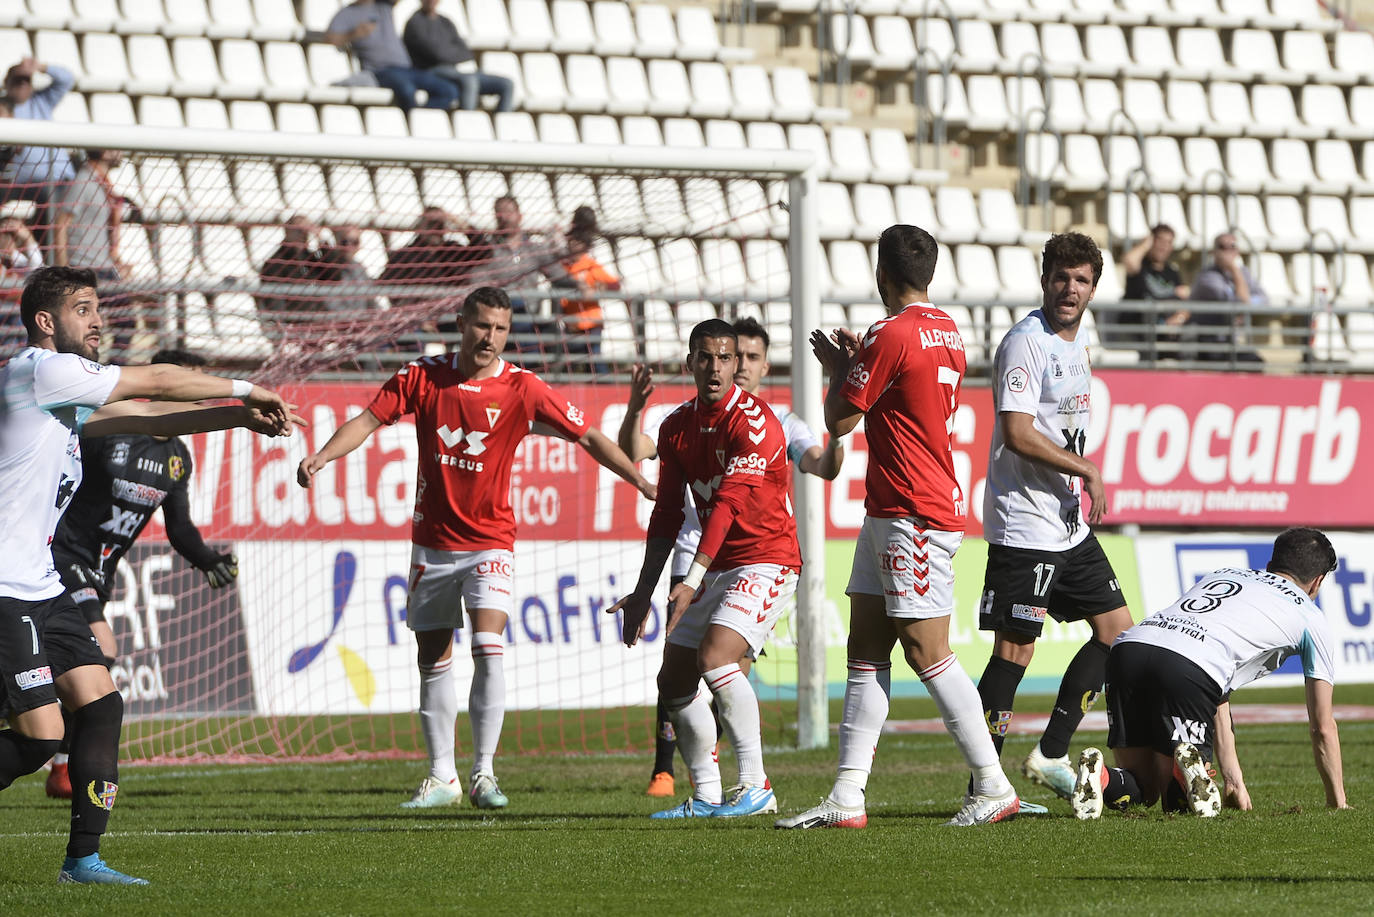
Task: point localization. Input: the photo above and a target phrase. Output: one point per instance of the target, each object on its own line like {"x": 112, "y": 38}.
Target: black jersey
{"x": 125, "y": 479}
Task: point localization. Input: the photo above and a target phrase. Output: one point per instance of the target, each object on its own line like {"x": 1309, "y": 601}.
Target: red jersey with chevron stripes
{"x": 732, "y": 455}
{"x": 468, "y": 430}
{"x": 906, "y": 378}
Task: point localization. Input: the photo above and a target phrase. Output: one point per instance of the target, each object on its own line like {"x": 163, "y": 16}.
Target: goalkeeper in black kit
{"x": 125, "y": 478}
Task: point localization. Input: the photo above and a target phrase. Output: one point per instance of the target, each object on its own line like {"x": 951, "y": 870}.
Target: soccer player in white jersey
{"x": 54, "y": 391}
{"x": 1042, "y": 557}
{"x": 803, "y": 450}
{"x": 726, "y": 449}
{"x": 1170, "y": 678}
{"x": 471, "y": 409}
{"x": 902, "y": 378}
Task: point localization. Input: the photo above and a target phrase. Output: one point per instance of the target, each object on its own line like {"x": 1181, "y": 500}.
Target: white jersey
{"x": 1240, "y": 625}
{"x": 800, "y": 439}
{"x": 47, "y": 398}
{"x": 1036, "y": 372}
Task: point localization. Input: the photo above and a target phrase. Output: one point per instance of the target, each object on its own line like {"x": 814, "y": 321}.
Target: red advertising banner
{"x": 1175, "y": 449}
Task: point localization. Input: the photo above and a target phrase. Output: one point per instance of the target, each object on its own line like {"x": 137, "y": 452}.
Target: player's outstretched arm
{"x": 1326, "y": 741}
{"x": 823, "y": 463}
{"x": 635, "y": 606}
{"x": 608, "y": 454}
{"x": 169, "y": 382}
{"x": 630, "y": 437}
{"x": 1021, "y": 437}
{"x": 161, "y": 418}
{"x": 1235, "y": 796}
{"x": 345, "y": 439}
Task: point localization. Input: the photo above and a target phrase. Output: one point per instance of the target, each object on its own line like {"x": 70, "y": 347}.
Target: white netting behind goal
{"x": 323, "y": 276}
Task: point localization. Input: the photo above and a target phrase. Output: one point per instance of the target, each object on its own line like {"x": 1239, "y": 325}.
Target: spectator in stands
{"x": 19, "y": 251}
{"x": 296, "y": 260}
{"x": 431, "y": 256}
{"x": 582, "y": 317}
{"x": 34, "y": 172}
{"x": 1225, "y": 279}
{"x": 1151, "y": 276}
{"x": 339, "y": 265}
{"x": 435, "y": 45}
{"x": 89, "y": 213}
{"x": 367, "y": 29}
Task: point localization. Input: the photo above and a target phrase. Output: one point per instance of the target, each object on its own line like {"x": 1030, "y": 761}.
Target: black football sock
{"x": 665, "y": 739}
{"x": 1122, "y": 789}
{"x": 997, "y": 688}
{"x": 94, "y": 768}
{"x": 1175, "y": 797}
{"x": 20, "y": 755}
{"x": 66, "y": 747}
{"x": 1077, "y": 692}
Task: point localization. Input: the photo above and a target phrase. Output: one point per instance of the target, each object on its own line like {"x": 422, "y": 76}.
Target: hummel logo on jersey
{"x": 474, "y": 439}
{"x": 1189, "y": 731}
{"x": 122, "y": 522}
{"x": 704, "y": 489}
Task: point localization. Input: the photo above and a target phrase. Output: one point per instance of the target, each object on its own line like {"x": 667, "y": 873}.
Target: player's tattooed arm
{"x": 1235, "y": 795}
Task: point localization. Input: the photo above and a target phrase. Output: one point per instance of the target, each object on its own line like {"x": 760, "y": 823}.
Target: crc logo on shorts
{"x": 1017, "y": 379}
{"x": 502, "y": 568}
{"x": 753, "y": 463}
{"x": 1034, "y": 613}
{"x": 34, "y": 678}
{"x": 752, "y": 586}
{"x": 858, "y": 375}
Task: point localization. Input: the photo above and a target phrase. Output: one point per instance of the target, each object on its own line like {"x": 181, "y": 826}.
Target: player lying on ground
{"x": 728, "y": 447}
{"x": 124, "y": 480}
{"x": 53, "y": 392}
{"x": 471, "y": 409}
{"x": 1170, "y": 677}
{"x": 902, "y": 378}
{"x": 802, "y": 449}
{"x": 1042, "y": 557}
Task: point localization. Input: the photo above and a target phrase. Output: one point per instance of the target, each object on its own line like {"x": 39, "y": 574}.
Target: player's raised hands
{"x": 641, "y": 386}
{"x": 836, "y": 350}
{"x": 274, "y": 423}
{"x": 635, "y": 608}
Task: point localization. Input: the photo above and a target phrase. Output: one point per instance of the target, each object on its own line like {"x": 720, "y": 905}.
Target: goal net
{"x": 319, "y": 266}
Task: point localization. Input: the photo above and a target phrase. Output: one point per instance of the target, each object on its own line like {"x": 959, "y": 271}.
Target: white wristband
{"x": 695, "y": 573}
{"x": 242, "y": 388}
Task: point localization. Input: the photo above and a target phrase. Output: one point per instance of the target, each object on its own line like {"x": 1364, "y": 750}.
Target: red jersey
{"x": 733, "y": 456}
{"x": 468, "y": 430}
{"x": 906, "y": 378}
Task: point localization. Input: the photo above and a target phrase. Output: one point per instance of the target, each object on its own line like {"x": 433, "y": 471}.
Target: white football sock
{"x": 696, "y": 740}
{"x": 867, "y": 694}
{"x": 962, "y": 710}
{"x": 438, "y": 711}
{"x": 739, "y": 716}
{"x": 487, "y": 698}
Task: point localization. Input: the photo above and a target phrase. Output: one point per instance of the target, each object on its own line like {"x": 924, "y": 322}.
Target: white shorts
{"x": 747, "y": 599}
{"x": 439, "y": 579}
{"x": 911, "y": 568}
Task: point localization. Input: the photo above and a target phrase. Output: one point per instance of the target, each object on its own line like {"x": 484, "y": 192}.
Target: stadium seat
{"x": 890, "y": 156}
{"x": 916, "y": 207}
{"x": 683, "y": 133}
{"x": 1230, "y": 107}
{"x": 545, "y": 89}
{"x": 977, "y": 44}
{"x": 958, "y": 214}
{"x": 162, "y": 111}
{"x": 1359, "y": 330}
{"x": 672, "y": 94}
{"x": 944, "y": 286}
{"x": 615, "y": 30}
{"x": 257, "y": 191}
{"x": 1164, "y": 162}
{"x": 1362, "y": 224}
{"x": 304, "y": 189}
{"x": 429, "y": 124}
{"x": 664, "y": 210}
{"x": 530, "y": 26}
{"x": 557, "y": 127}
{"x": 1323, "y": 107}
{"x": 504, "y": 63}
{"x": 1020, "y": 44}
{"x": 1121, "y": 155}
{"x": 1328, "y": 338}
{"x": 287, "y": 76}
{"x": 1328, "y": 213}
{"x": 1254, "y": 50}
{"x": 113, "y": 66}
{"x": 851, "y": 272}
{"x": 753, "y": 212}
{"x": 1334, "y": 161}
{"x": 243, "y": 115}
{"x": 1202, "y": 158}
{"x": 473, "y": 125}
{"x": 723, "y": 268}
{"x": 1275, "y": 111}
{"x": 681, "y": 263}
{"x": 895, "y": 47}
{"x": 1287, "y": 227}
{"x": 385, "y": 121}
{"x": 849, "y": 155}
{"x": 1311, "y": 279}
{"x": 765, "y": 261}
{"x": 698, "y": 39}
{"x": 1186, "y": 106}
{"x": 1083, "y": 163}
{"x": 489, "y": 27}
{"x": 1000, "y": 221}
{"x": 1019, "y": 271}
{"x": 587, "y": 87}
{"x": 515, "y": 127}
{"x": 111, "y": 108}
{"x": 987, "y": 105}
{"x": 707, "y": 213}
{"x": 223, "y": 254}
{"x": 443, "y": 187}
{"x": 710, "y": 86}
{"x": 483, "y": 187}
{"x": 848, "y": 37}
{"x": 1352, "y": 285}
{"x": 752, "y": 93}
{"x": 601, "y": 130}
{"x": 636, "y": 261}
{"x": 976, "y": 265}
{"x": 617, "y": 334}
{"x": 793, "y": 92}
{"x": 207, "y": 183}
{"x": 656, "y": 32}
{"x": 341, "y": 120}
{"x": 1200, "y": 49}
{"x": 1126, "y": 217}
{"x": 238, "y": 329}
{"x": 873, "y": 211}
{"x": 834, "y": 211}
{"x": 628, "y": 86}
{"x": 1305, "y": 54}
{"x": 1355, "y": 52}
{"x": 811, "y": 138}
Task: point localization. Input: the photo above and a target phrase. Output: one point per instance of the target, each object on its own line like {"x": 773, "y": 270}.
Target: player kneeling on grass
{"x": 1169, "y": 679}
{"x": 728, "y": 447}
{"x": 471, "y": 409}
{"x": 124, "y": 481}
{"x": 53, "y": 391}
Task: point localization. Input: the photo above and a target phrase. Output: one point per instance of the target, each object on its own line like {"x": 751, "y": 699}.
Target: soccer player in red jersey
{"x": 471, "y": 409}
{"x": 903, "y": 379}
{"x": 728, "y": 447}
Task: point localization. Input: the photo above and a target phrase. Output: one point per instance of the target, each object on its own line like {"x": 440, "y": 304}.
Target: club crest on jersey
{"x": 119, "y": 455}
{"x": 104, "y": 795}
{"x": 721, "y": 457}
{"x": 1056, "y": 368}
{"x": 493, "y": 414}
{"x": 176, "y": 468}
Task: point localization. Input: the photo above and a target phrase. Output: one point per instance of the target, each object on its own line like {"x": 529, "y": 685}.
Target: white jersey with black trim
{"x": 800, "y": 439}
{"x": 1036, "y": 372}
{"x": 47, "y": 398}
{"x": 1240, "y": 625}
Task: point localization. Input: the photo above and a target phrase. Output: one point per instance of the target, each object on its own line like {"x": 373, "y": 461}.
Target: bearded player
{"x": 729, "y": 449}
{"x": 471, "y": 409}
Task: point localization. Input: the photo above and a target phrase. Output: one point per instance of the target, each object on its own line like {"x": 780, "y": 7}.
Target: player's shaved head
{"x": 1302, "y": 553}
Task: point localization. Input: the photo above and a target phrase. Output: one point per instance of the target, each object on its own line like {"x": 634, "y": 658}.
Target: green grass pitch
{"x": 328, "y": 839}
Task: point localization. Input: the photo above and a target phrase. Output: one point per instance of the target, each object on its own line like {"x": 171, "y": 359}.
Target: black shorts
{"x": 1022, "y": 585}
{"x": 1157, "y": 698}
{"x": 40, "y": 641}
{"x": 86, "y": 587}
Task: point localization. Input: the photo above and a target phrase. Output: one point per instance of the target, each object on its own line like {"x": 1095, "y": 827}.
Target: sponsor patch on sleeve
{"x": 1017, "y": 379}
